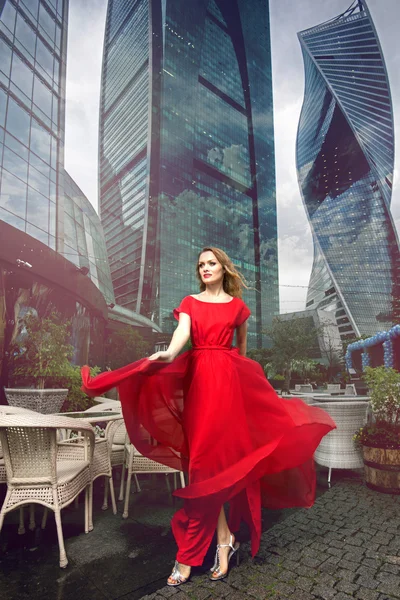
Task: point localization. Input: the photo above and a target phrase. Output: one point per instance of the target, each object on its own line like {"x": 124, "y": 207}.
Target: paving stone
{"x": 343, "y": 596}
{"x": 367, "y": 581}
{"x": 347, "y": 587}
{"x": 365, "y": 594}
{"x": 322, "y": 591}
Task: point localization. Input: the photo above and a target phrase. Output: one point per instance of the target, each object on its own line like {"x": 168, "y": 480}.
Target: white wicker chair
{"x": 115, "y": 434}
{"x": 134, "y": 463}
{"x": 350, "y": 390}
{"x": 16, "y": 410}
{"x": 337, "y": 449}
{"x": 333, "y": 388}
{"x": 36, "y": 475}
{"x": 303, "y": 388}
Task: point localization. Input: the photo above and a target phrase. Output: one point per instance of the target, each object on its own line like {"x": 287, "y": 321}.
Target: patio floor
{"x": 346, "y": 546}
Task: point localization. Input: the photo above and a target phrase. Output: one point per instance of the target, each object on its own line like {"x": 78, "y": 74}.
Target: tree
{"x": 293, "y": 339}
{"x": 43, "y": 351}
{"x": 125, "y": 346}
{"x": 264, "y": 357}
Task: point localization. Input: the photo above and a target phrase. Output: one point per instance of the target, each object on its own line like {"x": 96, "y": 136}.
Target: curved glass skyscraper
{"x": 345, "y": 155}
{"x": 187, "y": 150}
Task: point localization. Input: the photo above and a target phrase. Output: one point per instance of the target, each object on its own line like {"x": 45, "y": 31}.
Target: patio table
{"x": 93, "y": 417}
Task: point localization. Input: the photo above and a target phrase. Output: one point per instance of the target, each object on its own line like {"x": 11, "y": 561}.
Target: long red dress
{"x": 214, "y": 414}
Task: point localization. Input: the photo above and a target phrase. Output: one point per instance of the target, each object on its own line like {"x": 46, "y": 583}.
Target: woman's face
{"x": 210, "y": 270}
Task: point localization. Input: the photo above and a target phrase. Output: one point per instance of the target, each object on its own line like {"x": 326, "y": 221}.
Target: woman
{"x": 214, "y": 414}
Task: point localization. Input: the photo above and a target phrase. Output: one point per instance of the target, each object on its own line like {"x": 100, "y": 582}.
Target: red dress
{"x": 215, "y": 415}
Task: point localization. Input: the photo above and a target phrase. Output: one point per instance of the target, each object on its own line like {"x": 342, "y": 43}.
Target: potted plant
{"x": 379, "y": 439}
{"x": 41, "y": 354}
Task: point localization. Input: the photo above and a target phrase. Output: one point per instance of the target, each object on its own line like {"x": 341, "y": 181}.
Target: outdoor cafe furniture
{"x": 333, "y": 388}
{"x": 135, "y": 463}
{"x": 42, "y": 401}
{"x": 350, "y": 390}
{"x": 337, "y": 449}
{"x": 35, "y": 472}
{"x": 303, "y": 388}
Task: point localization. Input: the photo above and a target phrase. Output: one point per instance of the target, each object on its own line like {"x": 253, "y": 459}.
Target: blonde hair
{"x": 233, "y": 282}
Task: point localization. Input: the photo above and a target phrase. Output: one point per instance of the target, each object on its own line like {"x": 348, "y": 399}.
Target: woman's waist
{"x": 224, "y": 347}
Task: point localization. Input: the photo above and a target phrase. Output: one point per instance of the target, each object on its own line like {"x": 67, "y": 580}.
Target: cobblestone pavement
{"x": 346, "y": 546}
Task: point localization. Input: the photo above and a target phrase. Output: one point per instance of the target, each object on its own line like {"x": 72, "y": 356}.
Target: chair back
{"x": 29, "y": 454}
{"x": 350, "y": 390}
{"x": 303, "y": 387}
{"x": 333, "y": 388}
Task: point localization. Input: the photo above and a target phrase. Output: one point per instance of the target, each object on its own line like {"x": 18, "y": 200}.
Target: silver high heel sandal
{"x": 216, "y": 567}
{"x": 177, "y": 576}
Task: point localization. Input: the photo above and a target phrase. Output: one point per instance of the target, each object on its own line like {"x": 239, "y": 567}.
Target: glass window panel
{"x": 16, "y": 146}
{"x": 53, "y": 191}
{"x": 53, "y": 152}
{"x": 8, "y": 16}
{"x": 5, "y": 57}
{"x": 21, "y": 75}
{"x": 11, "y": 219}
{"x": 52, "y": 242}
{"x": 42, "y": 96}
{"x": 55, "y": 110}
{"x": 18, "y": 122}
{"x": 38, "y": 181}
{"x": 39, "y": 164}
{"x": 25, "y": 35}
{"x": 47, "y": 22}
{"x": 58, "y": 36}
{"x": 38, "y": 210}
{"x": 3, "y": 102}
{"x": 40, "y": 141}
{"x": 56, "y": 70}
{"x": 40, "y": 235}
{"x": 32, "y": 6}
{"x": 44, "y": 57}
{"x": 13, "y": 194}
{"x": 52, "y": 219}
{"x": 15, "y": 164}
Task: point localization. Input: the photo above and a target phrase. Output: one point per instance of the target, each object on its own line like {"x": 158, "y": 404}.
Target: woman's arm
{"x": 241, "y": 338}
{"x": 180, "y": 337}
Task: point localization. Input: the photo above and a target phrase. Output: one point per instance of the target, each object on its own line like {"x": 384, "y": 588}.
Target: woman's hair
{"x": 233, "y": 282}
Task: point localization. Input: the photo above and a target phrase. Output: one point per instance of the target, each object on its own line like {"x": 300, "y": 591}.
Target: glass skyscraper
{"x": 345, "y": 155}
{"x": 32, "y": 104}
{"x": 187, "y": 150}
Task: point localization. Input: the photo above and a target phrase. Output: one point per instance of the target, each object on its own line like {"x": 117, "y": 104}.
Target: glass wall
{"x": 32, "y": 66}
{"x": 84, "y": 242}
{"x": 199, "y": 168}
{"x": 345, "y": 155}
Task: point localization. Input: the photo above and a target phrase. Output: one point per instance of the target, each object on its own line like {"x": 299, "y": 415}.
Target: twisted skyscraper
{"x": 345, "y": 155}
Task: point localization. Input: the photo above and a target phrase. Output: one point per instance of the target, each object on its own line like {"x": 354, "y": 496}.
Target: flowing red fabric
{"x": 213, "y": 414}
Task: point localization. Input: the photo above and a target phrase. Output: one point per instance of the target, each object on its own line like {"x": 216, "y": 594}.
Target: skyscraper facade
{"x": 345, "y": 156}
{"x": 187, "y": 150}
{"x": 33, "y": 41}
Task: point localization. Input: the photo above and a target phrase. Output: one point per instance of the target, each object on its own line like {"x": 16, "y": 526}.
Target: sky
{"x": 85, "y": 47}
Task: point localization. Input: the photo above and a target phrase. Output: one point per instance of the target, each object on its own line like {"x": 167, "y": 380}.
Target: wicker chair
{"x": 35, "y": 474}
{"x": 350, "y": 390}
{"x": 115, "y": 434}
{"x": 134, "y": 463}
{"x": 337, "y": 449}
{"x": 16, "y": 410}
{"x": 303, "y": 388}
{"x": 333, "y": 388}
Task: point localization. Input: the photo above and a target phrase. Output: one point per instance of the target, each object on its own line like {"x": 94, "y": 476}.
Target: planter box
{"x": 42, "y": 401}
{"x": 382, "y": 469}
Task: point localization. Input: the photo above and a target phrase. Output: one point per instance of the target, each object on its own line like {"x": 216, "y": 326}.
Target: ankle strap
{"x": 230, "y": 545}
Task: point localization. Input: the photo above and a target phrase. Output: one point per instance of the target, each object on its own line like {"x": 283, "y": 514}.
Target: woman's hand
{"x": 165, "y": 356}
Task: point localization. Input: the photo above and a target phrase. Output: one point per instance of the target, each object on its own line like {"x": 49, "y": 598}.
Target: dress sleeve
{"x": 184, "y": 307}
{"x": 243, "y": 314}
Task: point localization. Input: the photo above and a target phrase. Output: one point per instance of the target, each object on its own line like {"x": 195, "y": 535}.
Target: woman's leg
{"x": 193, "y": 528}
{"x": 223, "y": 537}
